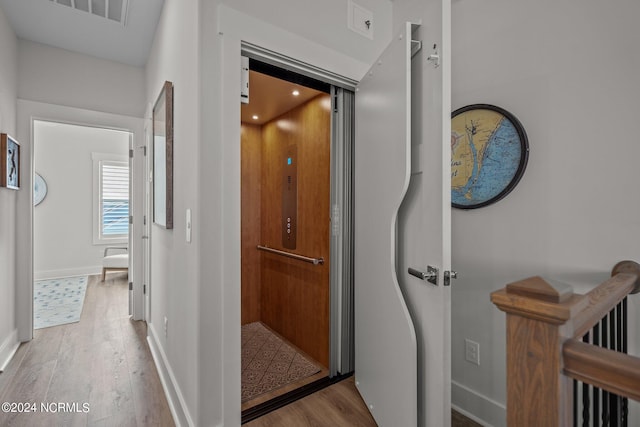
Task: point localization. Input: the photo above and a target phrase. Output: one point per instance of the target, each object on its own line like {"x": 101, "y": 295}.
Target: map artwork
{"x": 489, "y": 152}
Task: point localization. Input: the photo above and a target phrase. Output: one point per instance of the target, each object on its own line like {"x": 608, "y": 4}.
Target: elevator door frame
{"x": 341, "y": 341}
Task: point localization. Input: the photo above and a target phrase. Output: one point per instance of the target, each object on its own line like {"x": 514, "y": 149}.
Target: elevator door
{"x": 402, "y": 211}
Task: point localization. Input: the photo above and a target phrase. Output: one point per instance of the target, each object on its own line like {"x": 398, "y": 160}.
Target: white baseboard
{"x": 478, "y": 407}
{"x": 176, "y": 401}
{"x": 8, "y": 349}
{"x": 67, "y": 272}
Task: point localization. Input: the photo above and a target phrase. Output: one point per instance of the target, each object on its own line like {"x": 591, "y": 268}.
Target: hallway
{"x": 100, "y": 367}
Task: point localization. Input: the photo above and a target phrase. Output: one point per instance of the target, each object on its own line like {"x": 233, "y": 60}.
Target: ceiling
{"x": 93, "y": 27}
{"x": 270, "y": 97}
{"x": 58, "y": 23}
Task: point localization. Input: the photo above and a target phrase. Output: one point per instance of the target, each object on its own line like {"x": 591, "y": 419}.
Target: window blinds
{"x": 114, "y": 199}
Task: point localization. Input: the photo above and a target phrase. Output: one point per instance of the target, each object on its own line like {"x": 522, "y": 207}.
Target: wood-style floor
{"x": 103, "y": 361}
{"x": 338, "y": 405}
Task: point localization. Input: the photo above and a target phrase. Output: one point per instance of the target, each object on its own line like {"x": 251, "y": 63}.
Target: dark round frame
{"x": 524, "y": 152}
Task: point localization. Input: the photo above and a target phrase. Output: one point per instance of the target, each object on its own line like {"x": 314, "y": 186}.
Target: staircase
{"x": 566, "y": 353}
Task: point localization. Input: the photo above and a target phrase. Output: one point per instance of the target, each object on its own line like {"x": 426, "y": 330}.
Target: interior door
{"x": 424, "y": 232}
{"x": 130, "y": 235}
{"x": 402, "y": 221}
{"x": 146, "y": 234}
{"x": 385, "y": 339}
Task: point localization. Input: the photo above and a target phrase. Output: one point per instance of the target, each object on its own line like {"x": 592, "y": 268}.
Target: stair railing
{"x": 547, "y": 352}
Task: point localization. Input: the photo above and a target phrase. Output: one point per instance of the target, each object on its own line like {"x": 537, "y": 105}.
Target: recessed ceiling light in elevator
{"x": 270, "y": 97}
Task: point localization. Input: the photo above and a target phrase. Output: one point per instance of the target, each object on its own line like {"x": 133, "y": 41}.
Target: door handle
{"x": 430, "y": 276}
{"x": 145, "y": 237}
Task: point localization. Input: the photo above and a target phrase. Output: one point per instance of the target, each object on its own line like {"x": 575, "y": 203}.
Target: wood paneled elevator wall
{"x": 289, "y": 296}
{"x": 251, "y": 190}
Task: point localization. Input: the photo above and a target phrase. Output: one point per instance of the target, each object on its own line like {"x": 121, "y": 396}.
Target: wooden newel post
{"x": 538, "y": 313}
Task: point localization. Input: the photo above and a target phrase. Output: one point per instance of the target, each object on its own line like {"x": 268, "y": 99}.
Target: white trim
{"x": 8, "y": 349}
{"x": 478, "y": 407}
{"x": 67, "y": 272}
{"x": 27, "y": 113}
{"x": 234, "y": 24}
{"x": 291, "y": 64}
{"x": 177, "y": 403}
{"x": 234, "y": 28}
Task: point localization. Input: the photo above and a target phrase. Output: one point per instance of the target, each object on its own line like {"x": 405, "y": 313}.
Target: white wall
{"x": 63, "y": 224}
{"x": 57, "y": 76}
{"x": 55, "y": 84}
{"x": 8, "y": 198}
{"x": 568, "y": 71}
{"x": 175, "y": 276}
{"x": 325, "y": 22}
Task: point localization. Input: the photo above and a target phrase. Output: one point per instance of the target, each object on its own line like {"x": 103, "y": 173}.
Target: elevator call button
{"x": 289, "y": 199}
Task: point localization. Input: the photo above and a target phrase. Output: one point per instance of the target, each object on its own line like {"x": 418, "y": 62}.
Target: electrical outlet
{"x": 472, "y": 351}
{"x": 166, "y": 324}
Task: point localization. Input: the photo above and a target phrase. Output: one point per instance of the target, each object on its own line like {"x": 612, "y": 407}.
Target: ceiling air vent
{"x": 113, "y": 10}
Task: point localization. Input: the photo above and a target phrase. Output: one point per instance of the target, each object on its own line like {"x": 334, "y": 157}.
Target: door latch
{"x": 448, "y": 275}
{"x": 430, "y": 276}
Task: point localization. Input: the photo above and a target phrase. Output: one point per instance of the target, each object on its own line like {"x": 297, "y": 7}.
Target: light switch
{"x": 188, "y": 225}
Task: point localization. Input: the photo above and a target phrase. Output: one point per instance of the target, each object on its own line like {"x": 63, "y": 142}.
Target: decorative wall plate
{"x": 39, "y": 189}
{"x": 489, "y": 153}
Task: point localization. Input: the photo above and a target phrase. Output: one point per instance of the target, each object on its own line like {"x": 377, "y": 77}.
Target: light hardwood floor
{"x": 338, "y": 405}
{"x": 103, "y": 360}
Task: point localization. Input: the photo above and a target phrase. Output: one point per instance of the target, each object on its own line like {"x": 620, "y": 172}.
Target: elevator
{"x": 296, "y": 278}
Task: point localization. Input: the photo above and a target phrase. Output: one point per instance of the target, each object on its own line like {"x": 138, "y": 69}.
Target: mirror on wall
{"x": 163, "y": 157}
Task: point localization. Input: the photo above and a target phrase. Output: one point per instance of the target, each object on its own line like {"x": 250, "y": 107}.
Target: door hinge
{"x": 416, "y": 46}
{"x": 144, "y": 289}
{"x": 131, "y": 153}
{"x": 144, "y": 150}
{"x": 144, "y": 220}
{"x": 130, "y": 219}
{"x": 130, "y": 286}
{"x": 448, "y": 275}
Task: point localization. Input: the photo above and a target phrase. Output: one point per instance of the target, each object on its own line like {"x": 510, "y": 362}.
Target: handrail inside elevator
{"x": 314, "y": 261}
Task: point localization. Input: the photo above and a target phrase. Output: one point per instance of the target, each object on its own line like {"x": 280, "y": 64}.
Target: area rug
{"x": 269, "y": 363}
{"x": 58, "y": 301}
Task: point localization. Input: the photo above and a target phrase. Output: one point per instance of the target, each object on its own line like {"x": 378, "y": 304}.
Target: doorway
{"x": 81, "y": 207}
{"x": 292, "y": 313}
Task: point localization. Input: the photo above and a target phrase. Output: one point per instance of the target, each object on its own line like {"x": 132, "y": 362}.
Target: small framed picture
{"x": 9, "y": 162}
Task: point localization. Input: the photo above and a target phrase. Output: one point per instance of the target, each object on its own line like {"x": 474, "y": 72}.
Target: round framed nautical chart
{"x": 489, "y": 153}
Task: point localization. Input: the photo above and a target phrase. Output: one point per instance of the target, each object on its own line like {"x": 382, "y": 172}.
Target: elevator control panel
{"x": 290, "y": 198}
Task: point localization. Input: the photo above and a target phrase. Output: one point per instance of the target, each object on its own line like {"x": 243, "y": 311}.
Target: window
{"x": 111, "y": 199}
{"x": 114, "y": 198}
